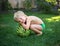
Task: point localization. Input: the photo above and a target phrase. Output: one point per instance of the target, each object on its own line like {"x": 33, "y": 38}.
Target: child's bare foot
{"x": 39, "y": 34}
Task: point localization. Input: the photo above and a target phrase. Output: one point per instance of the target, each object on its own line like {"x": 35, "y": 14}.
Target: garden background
{"x": 47, "y": 10}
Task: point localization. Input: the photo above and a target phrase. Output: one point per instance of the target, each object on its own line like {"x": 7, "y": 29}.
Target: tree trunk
{"x": 33, "y": 3}
{"x": 58, "y": 3}
{"x": 4, "y": 5}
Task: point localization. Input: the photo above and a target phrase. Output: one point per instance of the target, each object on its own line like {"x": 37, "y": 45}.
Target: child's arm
{"x": 27, "y": 25}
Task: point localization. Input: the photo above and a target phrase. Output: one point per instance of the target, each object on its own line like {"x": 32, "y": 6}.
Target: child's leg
{"x": 36, "y": 28}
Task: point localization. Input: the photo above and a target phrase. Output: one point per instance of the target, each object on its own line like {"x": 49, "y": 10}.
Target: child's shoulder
{"x": 32, "y": 16}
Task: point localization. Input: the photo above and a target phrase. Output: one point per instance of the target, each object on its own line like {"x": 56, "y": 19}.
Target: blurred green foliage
{"x": 47, "y": 6}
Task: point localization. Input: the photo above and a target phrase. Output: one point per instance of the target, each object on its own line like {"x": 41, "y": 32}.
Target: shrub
{"x": 47, "y": 7}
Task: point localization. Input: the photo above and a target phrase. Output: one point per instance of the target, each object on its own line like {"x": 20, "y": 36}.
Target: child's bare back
{"x": 35, "y": 20}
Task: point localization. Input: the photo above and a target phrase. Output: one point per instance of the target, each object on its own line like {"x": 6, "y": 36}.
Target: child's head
{"x": 19, "y": 16}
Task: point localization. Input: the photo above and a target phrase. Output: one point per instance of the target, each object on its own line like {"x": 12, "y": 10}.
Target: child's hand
{"x": 22, "y": 22}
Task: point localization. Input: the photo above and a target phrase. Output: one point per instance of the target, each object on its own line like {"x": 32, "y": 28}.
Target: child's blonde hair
{"x": 18, "y": 14}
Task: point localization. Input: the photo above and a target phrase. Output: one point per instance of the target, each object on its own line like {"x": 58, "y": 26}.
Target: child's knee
{"x": 31, "y": 26}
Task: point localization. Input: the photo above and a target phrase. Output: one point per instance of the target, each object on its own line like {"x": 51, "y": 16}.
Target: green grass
{"x": 50, "y": 37}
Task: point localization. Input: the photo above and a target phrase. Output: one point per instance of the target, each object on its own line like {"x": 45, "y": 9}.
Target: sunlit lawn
{"x": 50, "y": 37}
